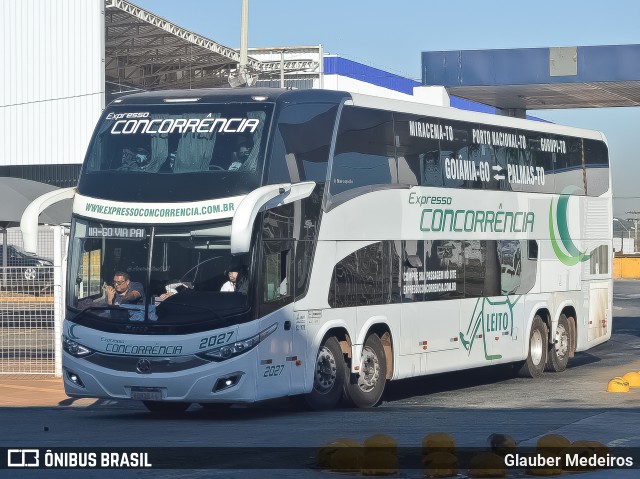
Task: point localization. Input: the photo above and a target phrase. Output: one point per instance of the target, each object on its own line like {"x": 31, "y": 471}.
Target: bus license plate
{"x": 146, "y": 394}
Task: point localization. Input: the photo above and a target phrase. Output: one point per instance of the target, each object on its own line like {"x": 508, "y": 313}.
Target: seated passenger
{"x": 138, "y": 160}
{"x": 124, "y": 291}
{"x": 240, "y": 156}
{"x": 237, "y": 282}
{"x": 168, "y": 165}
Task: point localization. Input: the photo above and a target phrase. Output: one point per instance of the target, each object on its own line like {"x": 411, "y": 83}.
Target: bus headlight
{"x": 75, "y": 349}
{"x": 231, "y": 350}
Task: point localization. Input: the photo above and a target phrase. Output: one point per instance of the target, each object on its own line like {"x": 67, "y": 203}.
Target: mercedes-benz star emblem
{"x": 143, "y": 366}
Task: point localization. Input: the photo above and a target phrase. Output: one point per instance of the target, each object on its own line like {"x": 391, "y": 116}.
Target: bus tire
{"x": 534, "y": 366}
{"x": 166, "y": 408}
{"x": 558, "y": 355}
{"x": 365, "y": 388}
{"x": 328, "y": 376}
{"x": 572, "y": 335}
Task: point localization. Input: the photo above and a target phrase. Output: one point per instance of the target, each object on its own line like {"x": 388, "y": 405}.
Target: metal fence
{"x": 31, "y": 305}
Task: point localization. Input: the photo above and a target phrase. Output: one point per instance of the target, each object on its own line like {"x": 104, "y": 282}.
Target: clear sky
{"x": 391, "y": 34}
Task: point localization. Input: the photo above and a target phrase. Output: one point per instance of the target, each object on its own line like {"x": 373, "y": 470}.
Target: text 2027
{"x": 271, "y": 371}
{"x": 217, "y": 340}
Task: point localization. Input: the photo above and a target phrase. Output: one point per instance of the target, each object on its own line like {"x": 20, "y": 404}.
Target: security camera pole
{"x": 244, "y": 41}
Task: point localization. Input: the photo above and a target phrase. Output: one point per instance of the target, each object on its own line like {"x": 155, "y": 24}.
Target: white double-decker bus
{"x": 373, "y": 240}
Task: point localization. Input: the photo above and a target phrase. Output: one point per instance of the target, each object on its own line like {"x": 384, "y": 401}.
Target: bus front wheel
{"x": 328, "y": 376}
{"x": 365, "y": 388}
{"x": 533, "y": 367}
{"x": 558, "y": 356}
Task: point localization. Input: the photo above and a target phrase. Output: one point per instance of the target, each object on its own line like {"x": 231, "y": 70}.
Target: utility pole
{"x": 242, "y": 77}
{"x": 244, "y": 39}
{"x": 635, "y": 225}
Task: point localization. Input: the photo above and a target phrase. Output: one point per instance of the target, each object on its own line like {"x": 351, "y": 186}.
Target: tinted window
{"x": 301, "y": 145}
{"x": 533, "y": 170}
{"x": 278, "y": 223}
{"x": 568, "y": 171}
{"x": 275, "y": 288}
{"x": 176, "y": 152}
{"x": 365, "y": 152}
{"x": 596, "y": 158}
{"x": 475, "y": 264}
{"x": 370, "y": 275}
{"x": 358, "y": 278}
{"x": 599, "y": 260}
{"x": 418, "y": 151}
{"x": 179, "y": 139}
{"x": 441, "y": 152}
{"x": 432, "y": 270}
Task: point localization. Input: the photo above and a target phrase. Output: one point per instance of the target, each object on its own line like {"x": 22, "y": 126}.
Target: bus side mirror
{"x": 29, "y": 220}
{"x": 261, "y": 199}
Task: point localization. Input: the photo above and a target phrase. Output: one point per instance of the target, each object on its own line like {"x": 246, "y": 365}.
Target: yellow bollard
{"x": 438, "y": 442}
{"x": 633, "y": 378}
{"x": 326, "y": 453}
{"x": 440, "y": 464}
{"x": 618, "y": 385}
{"x": 487, "y": 464}
{"x": 380, "y": 456}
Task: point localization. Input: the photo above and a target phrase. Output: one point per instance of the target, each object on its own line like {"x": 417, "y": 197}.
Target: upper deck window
{"x": 364, "y": 155}
{"x": 176, "y": 139}
{"x": 185, "y": 152}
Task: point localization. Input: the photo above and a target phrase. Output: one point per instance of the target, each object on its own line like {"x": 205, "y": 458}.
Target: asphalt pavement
{"x": 585, "y": 410}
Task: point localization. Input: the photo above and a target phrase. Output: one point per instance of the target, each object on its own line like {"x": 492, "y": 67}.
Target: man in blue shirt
{"x": 124, "y": 291}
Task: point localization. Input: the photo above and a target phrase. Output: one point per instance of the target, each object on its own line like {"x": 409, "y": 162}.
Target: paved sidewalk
{"x": 29, "y": 391}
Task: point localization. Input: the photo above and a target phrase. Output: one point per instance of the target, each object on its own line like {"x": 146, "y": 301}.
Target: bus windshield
{"x": 172, "y": 146}
{"x": 170, "y": 275}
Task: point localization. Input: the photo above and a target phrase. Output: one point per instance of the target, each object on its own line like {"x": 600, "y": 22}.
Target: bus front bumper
{"x": 228, "y": 381}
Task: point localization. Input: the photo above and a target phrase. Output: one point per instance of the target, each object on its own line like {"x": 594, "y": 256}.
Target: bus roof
{"x": 368, "y": 101}
{"x": 278, "y": 95}
{"x": 229, "y": 95}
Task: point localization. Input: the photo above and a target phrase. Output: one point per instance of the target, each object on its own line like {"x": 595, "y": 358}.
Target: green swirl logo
{"x": 571, "y": 255}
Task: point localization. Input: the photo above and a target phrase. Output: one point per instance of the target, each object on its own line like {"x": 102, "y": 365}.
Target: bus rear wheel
{"x": 166, "y": 408}
{"x": 558, "y": 356}
{"x": 328, "y": 376}
{"x": 533, "y": 367}
{"x": 365, "y": 388}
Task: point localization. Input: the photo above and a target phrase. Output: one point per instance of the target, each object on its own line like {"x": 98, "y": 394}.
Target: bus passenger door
{"x": 275, "y": 305}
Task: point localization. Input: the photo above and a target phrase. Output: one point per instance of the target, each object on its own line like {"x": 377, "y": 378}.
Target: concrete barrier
{"x": 626, "y": 267}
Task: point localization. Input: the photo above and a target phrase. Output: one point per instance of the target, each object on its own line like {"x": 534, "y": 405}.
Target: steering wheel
{"x": 216, "y": 167}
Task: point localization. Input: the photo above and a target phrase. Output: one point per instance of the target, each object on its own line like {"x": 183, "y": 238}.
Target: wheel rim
{"x": 326, "y": 371}
{"x": 536, "y": 347}
{"x": 562, "y": 342}
{"x": 369, "y": 371}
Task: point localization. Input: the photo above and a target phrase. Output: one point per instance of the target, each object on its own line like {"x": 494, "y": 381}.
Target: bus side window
{"x": 418, "y": 153}
{"x": 362, "y": 278}
{"x": 568, "y": 168}
{"x": 301, "y": 144}
{"x": 276, "y": 273}
{"x": 596, "y": 160}
{"x": 365, "y": 152}
{"x": 599, "y": 260}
